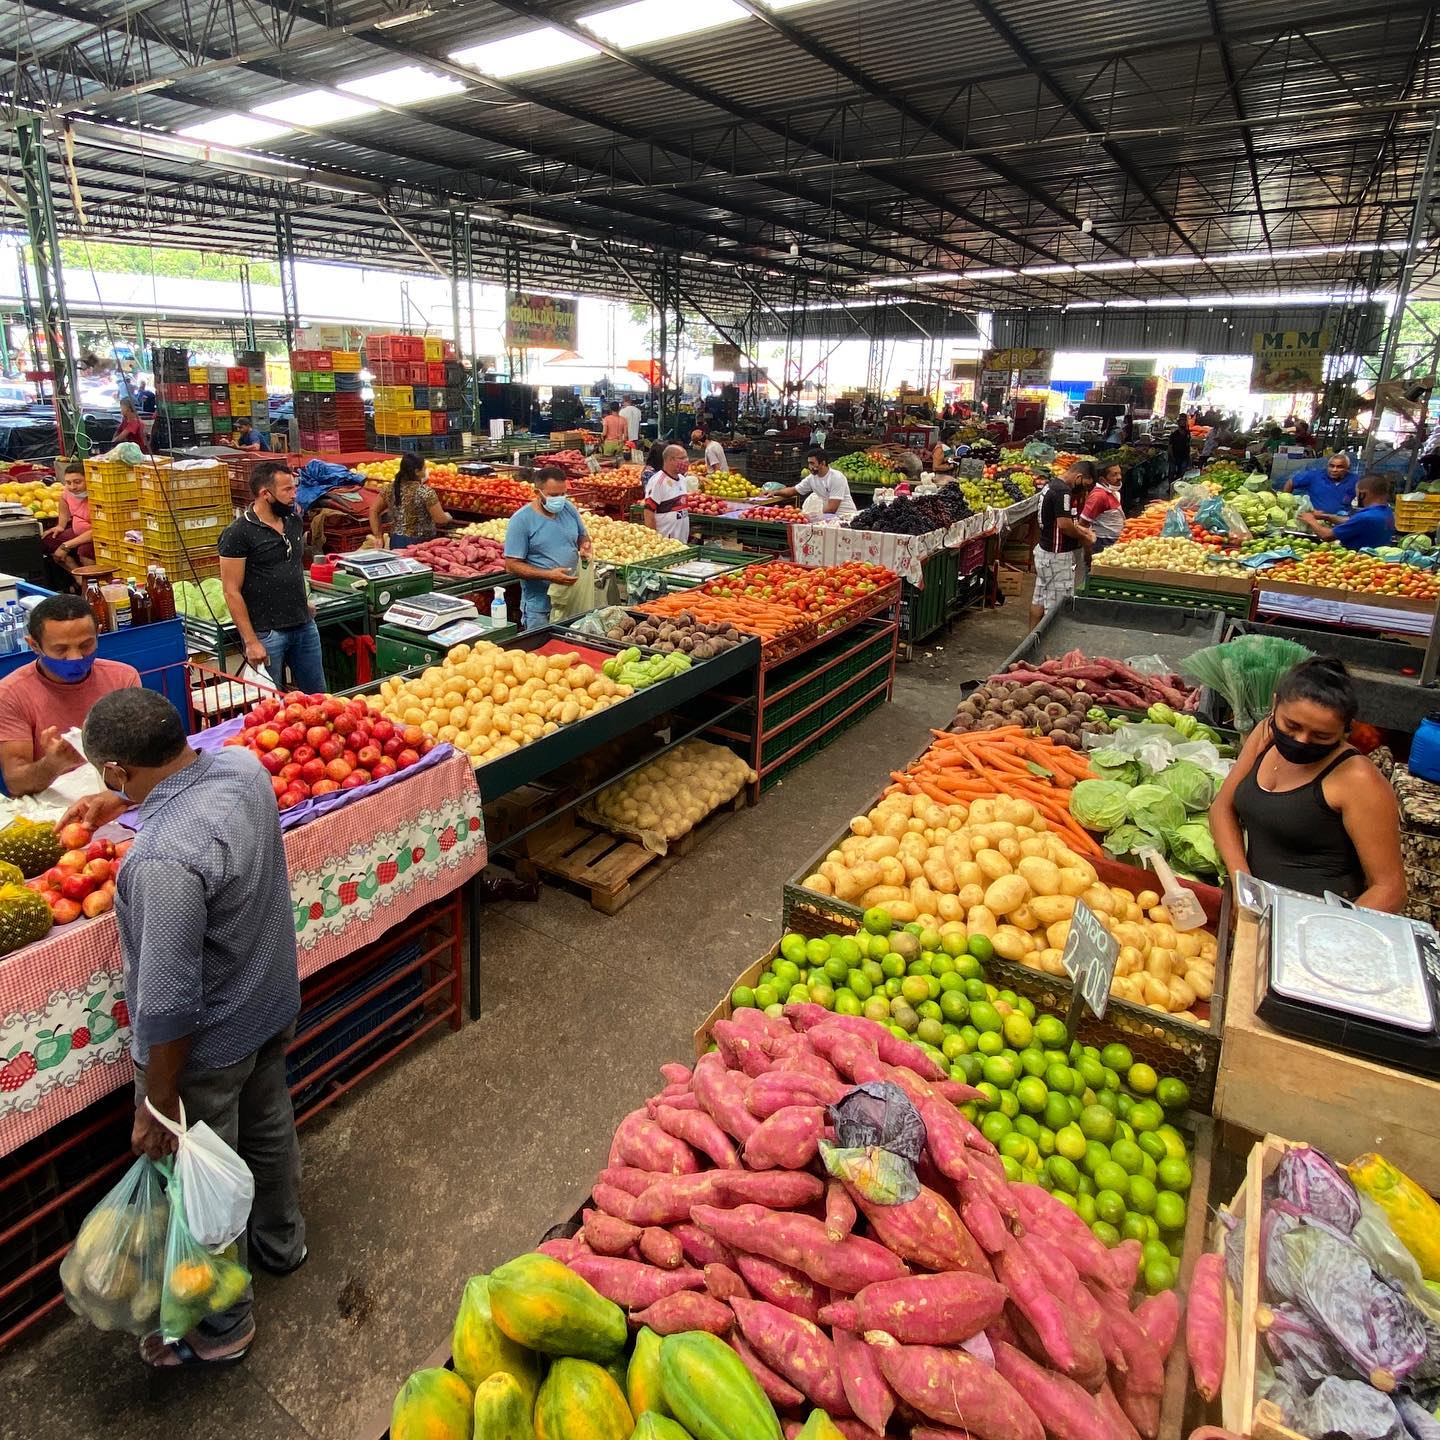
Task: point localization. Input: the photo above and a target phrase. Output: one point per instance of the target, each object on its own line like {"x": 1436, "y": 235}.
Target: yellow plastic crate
{"x": 135, "y": 561}
{"x": 347, "y": 362}
{"x": 199, "y": 375}
{"x": 188, "y": 485}
{"x": 107, "y": 553}
{"x": 114, "y": 518}
{"x": 434, "y": 348}
{"x": 1417, "y": 516}
{"x": 239, "y": 397}
{"x": 185, "y": 529}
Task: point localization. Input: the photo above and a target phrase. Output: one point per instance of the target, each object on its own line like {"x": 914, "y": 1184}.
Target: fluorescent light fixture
{"x": 1099, "y": 267}
{"x": 408, "y": 18}
{"x": 785, "y": 4}
{"x": 895, "y": 282}
{"x": 539, "y": 229}
{"x": 1048, "y": 270}
{"x": 647, "y": 22}
{"x": 314, "y": 108}
{"x": 545, "y": 48}
{"x": 983, "y": 275}
{"x": 234, "y": 130}
{"x": 405, "y": 85}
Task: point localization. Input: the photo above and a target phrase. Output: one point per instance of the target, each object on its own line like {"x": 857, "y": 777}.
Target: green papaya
{"x": 544, "y": 1305}
{"x": 433, "y": 1404}
{"x": 650, "y": 1426}
{"x": 503, "y": 1409}
{"x": 580, "y": 1401}
{"x": 480, "y": 1347}
{"x": 642, "y": 1378}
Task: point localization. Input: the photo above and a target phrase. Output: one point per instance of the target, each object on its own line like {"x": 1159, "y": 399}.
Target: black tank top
{"x": 1296, "y": 838}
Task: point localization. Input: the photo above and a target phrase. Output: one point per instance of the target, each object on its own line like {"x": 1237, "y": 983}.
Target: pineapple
{"x": 24, "y": 917}
{"x": 33, "y": 847}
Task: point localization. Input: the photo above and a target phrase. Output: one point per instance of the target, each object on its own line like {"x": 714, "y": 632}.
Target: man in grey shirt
{"x": 207, "y": 937}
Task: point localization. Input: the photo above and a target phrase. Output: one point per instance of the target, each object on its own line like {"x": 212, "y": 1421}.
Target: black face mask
{"x": 1299, "y": 752}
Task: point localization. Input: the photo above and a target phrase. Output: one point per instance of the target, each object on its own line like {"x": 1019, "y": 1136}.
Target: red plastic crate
{"x": 414, "y": 347}
{"x": 238, "y": 375}
{"x": 435, "y": 373}
{"x": 450, "y": 352}
{"x": 220, "y": 407}
{"x": 327, "y": 440}
{"x": 437, "y": 422}
{"x": 321, "y": 360}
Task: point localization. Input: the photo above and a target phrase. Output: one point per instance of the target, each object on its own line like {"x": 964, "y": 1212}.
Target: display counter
{"x": 1270, "y": 1082}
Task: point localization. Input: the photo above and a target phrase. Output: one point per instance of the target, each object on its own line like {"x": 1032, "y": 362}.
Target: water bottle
{"x": 499, "y": 615}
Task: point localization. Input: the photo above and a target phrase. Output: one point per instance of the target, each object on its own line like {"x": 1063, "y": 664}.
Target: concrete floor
{"x": 470, "y": 1146}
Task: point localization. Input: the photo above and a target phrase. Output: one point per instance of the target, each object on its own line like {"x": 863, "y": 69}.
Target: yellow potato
{"x": 1024, "y": 917}
{"x": 1129, "y": 961}
{"x": 1007, "y": 893}
{"x": 1073, "y": 882}
{"x": 1182, "y": 997}
{"x": 1187, "y": 944}
{"x": 980, "y": 921}
{"x": 971, "y": 895}
{"x": 950, "y": 909}
{"x": 1050, "y": 961}
{"x": 992, "y": 864}
{"x": 1057, "y": 934}
{"x": 1157, "y": 992}
{"x": 1160, "y": 964}
{"x": 968, "y": 872}
{"x": 1099, "y": 899}
{"x": 1201, "y": 979}
{"x": 1041, "y": 875}
{"x": 1033, "y": 846}
{"x": 862, "y": 825}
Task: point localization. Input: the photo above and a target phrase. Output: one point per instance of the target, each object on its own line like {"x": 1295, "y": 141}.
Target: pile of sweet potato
{"x": 981, "y": 1306}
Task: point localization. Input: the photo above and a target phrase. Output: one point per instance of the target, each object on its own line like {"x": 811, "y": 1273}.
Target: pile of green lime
{"x": 1090, "y": 1125}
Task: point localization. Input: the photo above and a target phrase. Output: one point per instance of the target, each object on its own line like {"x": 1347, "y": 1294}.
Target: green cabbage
{"x": 1153, "y": 808}
{"x": 1099, "y": 804}
{"x": 1127, "y": 839}
{"x": 1122, "y": 768}
{"x": 1192, "y": 848}
{"x": 1193, "y": 787}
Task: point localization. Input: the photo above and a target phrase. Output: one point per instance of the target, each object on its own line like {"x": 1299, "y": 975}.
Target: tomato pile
{"x": 484, "y": 494}
{"x": 815, "y": 591}
{"x": 317, "y": 744}
{"x": 1335, "y": 568}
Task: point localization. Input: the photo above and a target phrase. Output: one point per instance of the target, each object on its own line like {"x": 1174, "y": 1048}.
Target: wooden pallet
{"x": 612, "y": 869}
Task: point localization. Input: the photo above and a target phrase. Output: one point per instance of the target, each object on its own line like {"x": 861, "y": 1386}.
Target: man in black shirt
{"x": 1062, "y": 534}
{"x": 262, "y": 567}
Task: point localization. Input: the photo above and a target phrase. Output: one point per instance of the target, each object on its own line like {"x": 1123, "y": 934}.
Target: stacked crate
{"x": 328, "y": 407}
{"x": 253, "y": 393}
{"x": 183, "y": 509}
{"x": 419, "y": 393}
{"x": 175, "y": 395}
{"x": 116, "y": 521}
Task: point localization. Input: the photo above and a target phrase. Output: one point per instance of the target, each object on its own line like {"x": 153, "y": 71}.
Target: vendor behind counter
{"x": 1372, "y": 524}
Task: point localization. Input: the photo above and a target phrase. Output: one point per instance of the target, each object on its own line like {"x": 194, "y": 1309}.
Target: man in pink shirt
{"x": 39, "y": 702}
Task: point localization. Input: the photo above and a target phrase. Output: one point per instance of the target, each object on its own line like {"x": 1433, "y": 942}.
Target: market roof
{"x": 995, "y": 154}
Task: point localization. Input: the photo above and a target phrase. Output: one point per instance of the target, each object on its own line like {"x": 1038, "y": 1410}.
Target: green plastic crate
{"x": 824, "y": 738}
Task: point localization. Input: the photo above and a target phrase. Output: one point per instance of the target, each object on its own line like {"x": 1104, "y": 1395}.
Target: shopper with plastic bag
{"x": 207, "y": 937}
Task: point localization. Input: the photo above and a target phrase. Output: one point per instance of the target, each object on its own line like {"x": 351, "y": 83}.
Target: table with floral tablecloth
{"x": 354, "y": 873}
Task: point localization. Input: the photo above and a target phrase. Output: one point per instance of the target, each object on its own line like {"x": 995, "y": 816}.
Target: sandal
{"x": 186, "y": 1356}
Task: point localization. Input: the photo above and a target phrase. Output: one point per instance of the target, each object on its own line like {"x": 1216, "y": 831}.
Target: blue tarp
{"x": 315, "y": 477}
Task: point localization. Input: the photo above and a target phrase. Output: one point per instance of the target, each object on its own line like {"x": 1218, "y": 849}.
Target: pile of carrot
{"x": 768, "y": 619}
{"x": 997, "y": 762}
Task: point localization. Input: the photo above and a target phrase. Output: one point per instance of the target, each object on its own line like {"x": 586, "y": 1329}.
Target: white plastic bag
{"x": 254, "y": 674}
{"x": 216, "y": 1183}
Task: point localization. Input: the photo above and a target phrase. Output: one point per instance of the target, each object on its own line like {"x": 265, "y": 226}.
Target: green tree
{"x": 166, "y": 264}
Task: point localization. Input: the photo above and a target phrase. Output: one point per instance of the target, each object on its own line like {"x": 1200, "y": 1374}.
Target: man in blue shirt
{"x": 1372, "y": 524}
{"x": 1331, "y": 487}
{"x": 544, "y": 543}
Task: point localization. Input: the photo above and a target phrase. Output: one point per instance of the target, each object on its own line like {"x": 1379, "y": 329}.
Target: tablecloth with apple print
{"x": 354, "y": 873}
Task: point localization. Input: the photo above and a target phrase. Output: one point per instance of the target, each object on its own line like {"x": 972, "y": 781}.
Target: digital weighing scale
{"x": 430, "y": 613}
{"x": 1351, "y": 979}
{"x": 383, "y": 576}
{"x": 420, "y": 629}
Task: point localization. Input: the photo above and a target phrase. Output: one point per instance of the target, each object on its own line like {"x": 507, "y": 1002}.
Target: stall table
{"x": 1270, "y": 1082}
{"x": 341, "y": 618}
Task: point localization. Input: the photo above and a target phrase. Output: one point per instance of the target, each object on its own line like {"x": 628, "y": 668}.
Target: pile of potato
{"x": 695, "y": 638}
{"x": 489, "y": 701}
{"x": 996, "y": 867}
{"x": 673, "y": 793}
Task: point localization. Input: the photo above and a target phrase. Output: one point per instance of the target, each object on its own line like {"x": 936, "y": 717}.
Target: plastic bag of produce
{"x": 197, "y": 1283}
{"x": 219, "y": 1188}
{"x": 1413, "y": 1215}
{"x": 112, "y": 1273}
{"x": 1176, "y": 525}
{"x": 1099, "y": 804}
{"x": 880, "y": 1138}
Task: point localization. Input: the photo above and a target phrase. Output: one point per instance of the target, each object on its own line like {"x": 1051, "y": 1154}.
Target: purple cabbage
{"x": 1281, "y": 1279}
{"x": 1234, "y": 1251}
{"x": 1379, "y": 1328}
{"x": 1418, "y": 1421}
{"x": 1349, "y": 1410}
{"x": 1317, "y": 1189}
{"x": 1302, "y": 1352}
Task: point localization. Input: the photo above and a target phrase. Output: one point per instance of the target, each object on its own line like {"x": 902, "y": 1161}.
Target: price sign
{"x": 1089, "y": 960}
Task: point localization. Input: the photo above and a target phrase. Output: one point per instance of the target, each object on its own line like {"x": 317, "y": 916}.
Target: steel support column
{"x": 289, "y": 294}
{"x": 50, "y": 283}
{"x": 247, "y": 304}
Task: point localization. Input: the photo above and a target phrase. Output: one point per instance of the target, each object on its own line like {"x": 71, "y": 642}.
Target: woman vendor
{"x": 1303, "y": 809}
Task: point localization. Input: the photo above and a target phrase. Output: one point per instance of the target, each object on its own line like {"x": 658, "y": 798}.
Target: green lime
{"x": 1153, "y": 1144}
{"x": 1097, "y": 1123}
{"x": 967, "y": 1069}
{"x": 995, "y": 1127}
{"x": 929, "y": 1010}
{"x": 1062, "y": 1173}
{"x": 1070, "y": 1142}
{"x": 913, "y": 927}
{"x": 1046, "y": 1141}
{"x": 891, "y": 988}
{"x": 970, "y": 1035}
{"x": 872, "y": 971}
{"x": 1009, "y": 1104}
{"x": 1127, "y": 1155}
{"x": 991, "y": 1042}
{"x": 1068, "y": 1200}
{"x": 1032, "y": 1094}
{"x": 1011, "y": 1166}
{"x": 1076, "y": 1106}
{"x": 942, "y": 965}
{"x": 952, "y": 1047}
{"x": 1032, "y": 1061}
{"x": 798, "y": 995}
{"x": 1148, "y": 1167}
{"x": 859, "y": 984}
{"x": 1095, "y": 1156}
{"x": 892, "y": 965}
{"x": 1152, "y": 1230}
{"x": 1057, "y": 1111}
{"x": 1124, "y": 1130}
{"x": 877, "y": 921}
{"x": 1028, "y": 1126}
{"x": 953, "y": 982}
{"x": 1050, "y": 1032}
{"x": 1109, "y": 1176}
{"x": 984, "y": 1016}
{"x": 877, "y": 1007}
{"x": 919, "y": 966}
{"x": 742, "y": 997}
{"x": 954, "y": 1006}
{"x": 929, "y": 938}
{"x": 968, "y": 967}
{"x": 1142, "y": 1195}
{"x": 1087, "y": 1186}
{"x": 989, "y": 1094}
{"x": 817, "y": 952}
{"x": 1132, "y": 1227}
{"x": 1152, "y": 1250}
{"x": 1106, "y": 1234}
{"x": 999, "y": 1071}
{"x": 877, "y": 946}
{"x": 1110, "y": 1206}
{"x": 981, "y": 948}
{"x": 1016, "y": 1145}
{"x": 954, "y": 943}
{"x": 1142, "y": 1079}
{"x": 786, "y": 973}
{"x": 792, "y": 947}
{"x": 1092, "y": 1072}
{"x": 1169, "y": 1211}
{"x": 1173, "y": 1094}
{"x": 1173, "y": 1174}
{"x": 928, "y": 1032}
{"x": 1159, "y": 1275}
{"x": 1026, "y": 1006}
{"x": 1059, "y": 1078}
{"x": 904, "y": 1017}
{"x": 846, "y": 1002}
{"x": 1174, "y": 1141}
{"x": 1085, "y": 1205}
{"x": 1107, "y": 1100}
{"x": 1146, "y": 1115}
{"x": 897, "y": 1030}
{"x": 1018, "y": 1030}
{"x": 1116, "y": 1056}
{"x": 976, "y": 990}
{"x": 848, "y": 948}
{"x": 822, "y": 994}
{"x": 1124, "y": 1104}
{"x": 836, "y": 969}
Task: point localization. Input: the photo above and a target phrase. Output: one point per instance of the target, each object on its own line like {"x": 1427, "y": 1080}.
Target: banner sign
{"x": 541, "y": 322}
{"x": 1023, "y": 366}
{"x": 725, "y": 357}
{"x": 1129, "y": 369}
{"x": 1288, "y": 360}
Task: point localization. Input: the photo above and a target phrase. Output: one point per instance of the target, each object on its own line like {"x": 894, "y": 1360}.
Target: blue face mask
{"x": 554, "y": 503}
{"x": 70, "y": 671}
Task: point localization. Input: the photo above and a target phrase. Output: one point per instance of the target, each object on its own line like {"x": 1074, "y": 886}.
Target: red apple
{"x": 382, "y": 767}
{"x": 302, "y": 753}
{"x": 314, "y": 715}
{"x": 72, "y": 860}
{"x": 359, "y": 737}
{"x": 282, "y": 752}
{"x": 301, "y": 786}
{"x": 381, "y": 731}
{"x": 367, "y": 755}
{"x": 349, "y": 757}
{"x": 292, "y": 735}
{"x": 352, "y": 781}
{"x": 293, "y": 714}
{"x": 317, "y": 735}
{"x": 272, "y": 762}
{"x": 337, "y": 770}
{"x": 329, "y": 750}
{"x": 74, "y": 836}
{"x": 97, "y": 903}
{"x": 363, "y": 773}
{"x": 312, "y": 770}
{"x": 345, "y": 723}
{"x": 359, "y": 706}
{"x": 252, "y": 721}
{"x": 98, "y": 870}
{"x": 266, "y": 738}
{"x": 290, "y": 799}
{"x": 393, "y": 746}
{"x": 291, "y": 771}
{"x": 53, "y": 876}
{"x": 331, "y": 707}
{"x": 427, "y": 744}
{"x": 278, "y": 785}
{"x": 65, "y": 911}
{"x": 324, "y": 787}
{"x": 412, "y": 735}
{"x": 122, "y": 850}
{"x": 76, "y": 887}
{"x": 100, "y": 850}
{"x": 406, "y": 758}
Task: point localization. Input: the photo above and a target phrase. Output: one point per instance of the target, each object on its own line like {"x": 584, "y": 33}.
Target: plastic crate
{"x": 111, "y": 520}
{"x": 1417, "y": 516}
{"x": 825, "y": 737}
{"x": 188, "y": 485}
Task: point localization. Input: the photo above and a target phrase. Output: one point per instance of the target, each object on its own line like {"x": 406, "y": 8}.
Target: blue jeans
{"x": 533, "y": 616}
{"x": 297, "y": 648}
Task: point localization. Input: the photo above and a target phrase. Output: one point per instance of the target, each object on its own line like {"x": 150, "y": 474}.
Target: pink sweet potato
{"x": 1126, "y": 1257}
{"x": 955, "y": 1389}
{"x": 622, "y": 1134}
{"x": 1032, "y": 1298}
{"x": 1092, "y": 1320}
{"x": 563, "y": 1249}
{"x": 1057, "y": 1272}
{"x": 670, "y": 1092}
{"x": 614, "y": 1201}
{"x": 1159, "y": 1317}
{"x": 675, "y": 1074}
{"x": 701, "y": 1133}
{"x": 741, "y": 1048}
{"x": 806, "y": 1062}
{"x": 660, "y": 1248}
{"x": 862, "y": 1382}
{"x": 1205, "y": 1324}
{"x": 795, "y": 1348}
{"x": 632, "y": 1284}
{"x": 1144, "y": 1370}
{"x": 685, "y": 1310}
{"x": 1089, "y": 1257}
{"x": 1088, "y": 1371}
{"x": 839, "y": 1211}
{"x": 626, "y": 1178}
{"x": 957, "y": 1092}
{"x": 776, "y": 1189}
{"x": 890, "y": 1048}
{"x": 671, "y": 1197}
{"x": 850, "y": 1428}
{"x": 606, "y": 1235}
{"x": 721, "y": 1094}
{"x": 1119, "y": 1420}
{"x": 722, "y": 1283}
{"x": 980, "y": 1217}
{"x": 781, "y": 1285}
{"x": 1142, "y": 1410}
{"x": 680, "y": 1100}
{"x": 1069, "y": 1412}
{"x": 788, "y": 1140}
{"x": 925, "y": 1231}
{"x": 780, "y": 1088}
{"x": 648, "y": 1147}
{"x": 701, "y": 1248}
{"x": 922, "y": 1309}
{"x": 800, "y": 1242}
{"x": 780, "y": 1392}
